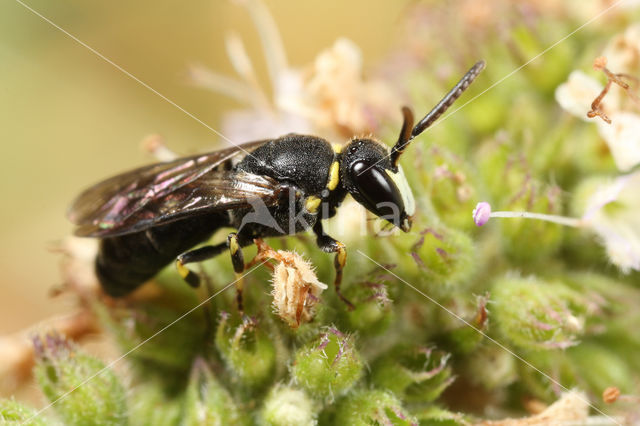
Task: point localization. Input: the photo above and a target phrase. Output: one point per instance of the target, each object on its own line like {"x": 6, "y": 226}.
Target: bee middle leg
{"x": 331, "y": 245}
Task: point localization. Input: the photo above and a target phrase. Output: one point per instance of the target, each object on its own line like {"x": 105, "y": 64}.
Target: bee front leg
{"x": 197, "y": 255}
{"x": 331, "y": 245}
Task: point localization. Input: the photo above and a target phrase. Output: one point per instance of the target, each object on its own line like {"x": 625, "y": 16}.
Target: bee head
{"x": 367, "y": 173}
{"x": 371, "y": 173}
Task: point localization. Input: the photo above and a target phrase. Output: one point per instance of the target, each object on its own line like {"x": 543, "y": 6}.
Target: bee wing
{"x": 215, "y": 191}
{"x": 163, "y": 192}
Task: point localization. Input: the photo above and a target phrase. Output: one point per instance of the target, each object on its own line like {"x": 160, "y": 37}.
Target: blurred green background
{"x": 69, "y": 119}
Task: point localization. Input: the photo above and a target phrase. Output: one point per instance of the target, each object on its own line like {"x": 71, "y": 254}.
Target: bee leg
{"x": 237, "y": 259}
{"x": 331, "y": 245}
{"x": 197, "y": 255}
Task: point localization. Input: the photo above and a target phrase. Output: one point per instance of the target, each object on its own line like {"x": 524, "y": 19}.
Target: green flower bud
{"x": 207, "y": 402}
{"x": 465, "y": 338}
{"x": 597, "y": 367}
{"x": 329, "y": 365}
{"x": 287, "y": 406}
{"x": 501, "y": 169}
{"x": 450, "y": 186}
{"x": 436, "y": 416}
{"x": 555, "y": 364}
{"x": 367, "y": 407}
{"x": 169, "y": 345}
{"x": 527, "y": 241}
{"x": 150, "y": 405}
{"x": 248, "y": 352}
{"x": 416, "y": 374}
{"x": 536, "y": 314}
{"x": 491, "y": 367}
{"x": 444, "y": 258}
{"x": 614, "y": 304}
{"x": 590, "y": 366}
{"x": 373, "y": 308}
{"x": 14, "y": 413}
{"x": 82, "y": 390}
{"x": 603, "y": 293}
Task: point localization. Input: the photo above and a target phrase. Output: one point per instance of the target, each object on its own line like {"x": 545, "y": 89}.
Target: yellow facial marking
{"x": 182, "y": 270}
{"x": 334, "y": 176}
{"x": 405, "y": 190}
{"x": 233, "y": 245}
{"x": 312, "y": 203}
{"x": 337, "y": 148}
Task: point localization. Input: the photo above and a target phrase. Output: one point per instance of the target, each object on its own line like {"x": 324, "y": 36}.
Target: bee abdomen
{"x": 127, "y": 261}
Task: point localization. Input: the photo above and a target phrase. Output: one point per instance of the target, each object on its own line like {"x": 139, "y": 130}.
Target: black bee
{"x": 150, "y": 216}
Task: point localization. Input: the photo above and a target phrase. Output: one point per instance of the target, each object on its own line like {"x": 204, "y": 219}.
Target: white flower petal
{"x": 253, "y": 124}
{"x": 623, "y": 51}
{"x": 603, "y": 196}
{"x": 613, "y": 212}
{"x": 623, "y": 246}
{"x": 623, "y": 138}
{"x": 577, "y": 94}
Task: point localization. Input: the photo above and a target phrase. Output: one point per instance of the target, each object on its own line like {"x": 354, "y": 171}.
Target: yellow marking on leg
{"x": 187, "y": 274}
{"x": 233, "y": 245}
{"x": 342, "y": 255}
{"x": 334, "y": 176}
{"x": 182, "y": 270}
{"x": 311, "y": 204}
{"x": 339, "y": 261}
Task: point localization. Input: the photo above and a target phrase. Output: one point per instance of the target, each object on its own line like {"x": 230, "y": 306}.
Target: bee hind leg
{"x": 196, "y": 255}
{"x": 237, "y": 259}
{"x": 207, "y": 252}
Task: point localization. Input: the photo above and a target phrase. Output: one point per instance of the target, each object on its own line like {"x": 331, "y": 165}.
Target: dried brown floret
{"x": 296, "y": 288}
{"x": 600, "y": 64}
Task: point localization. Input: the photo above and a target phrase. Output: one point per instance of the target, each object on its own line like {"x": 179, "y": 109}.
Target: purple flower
{"x": 482, "y": 213}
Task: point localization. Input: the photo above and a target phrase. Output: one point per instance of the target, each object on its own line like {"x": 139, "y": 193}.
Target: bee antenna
{"x": 406, "y": 137}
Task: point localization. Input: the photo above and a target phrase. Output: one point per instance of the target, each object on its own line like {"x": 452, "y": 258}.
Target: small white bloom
{"x": 338, "y": 95}
{"x": 330, "y": 97}
{"x": 623, "y": 138}
{"x": 623, "y": 51}
{"x": 613, "y": 212}
{"x": 622, "y": 135}
{"x": 251, "y": 125}
{"x": 577, "y": 94}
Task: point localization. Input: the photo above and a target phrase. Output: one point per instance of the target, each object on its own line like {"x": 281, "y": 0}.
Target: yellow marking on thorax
{"x": 334, "y": 176}
{"x": 312, "y": 203}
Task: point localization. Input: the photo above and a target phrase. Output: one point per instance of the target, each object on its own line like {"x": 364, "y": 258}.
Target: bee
{"x": 153, "y": 215}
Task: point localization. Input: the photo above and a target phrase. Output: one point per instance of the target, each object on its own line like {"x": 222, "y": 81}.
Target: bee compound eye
{"x": 376, "y": 189}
